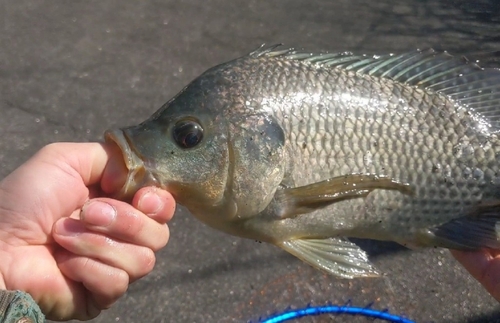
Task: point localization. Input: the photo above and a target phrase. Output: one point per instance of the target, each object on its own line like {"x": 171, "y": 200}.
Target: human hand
{"x": 76, "y": 262}
{"x": 483, "y": 265}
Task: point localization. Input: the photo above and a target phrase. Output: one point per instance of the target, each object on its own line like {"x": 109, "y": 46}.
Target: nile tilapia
{"x": 304, "y": 150}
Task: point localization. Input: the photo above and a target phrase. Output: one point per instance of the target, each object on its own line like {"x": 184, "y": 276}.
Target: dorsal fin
{"x": 464, "y": 82}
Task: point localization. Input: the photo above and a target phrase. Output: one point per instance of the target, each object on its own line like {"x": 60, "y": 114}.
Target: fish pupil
{"x": 187, "y": 133}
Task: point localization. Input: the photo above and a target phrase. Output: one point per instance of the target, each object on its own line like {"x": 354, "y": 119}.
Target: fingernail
{"x": 98, "y": 213}
{"x": 68, "y": 227}
{"x": 150, "y": 203}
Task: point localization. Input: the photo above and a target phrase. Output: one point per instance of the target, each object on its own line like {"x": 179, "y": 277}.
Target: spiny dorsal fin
{"x": 464, "y": 82}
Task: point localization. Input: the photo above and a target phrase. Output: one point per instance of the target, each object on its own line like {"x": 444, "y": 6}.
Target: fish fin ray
{"x": 336, "y": 256}
{"x": 269, "y": 50}
{"x": 469, "y": 232}
{"x": 327, "y": 59}
{"x": 304, "y": 199}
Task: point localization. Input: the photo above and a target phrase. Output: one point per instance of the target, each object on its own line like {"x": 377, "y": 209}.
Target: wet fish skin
{"x": 301, "y": 150}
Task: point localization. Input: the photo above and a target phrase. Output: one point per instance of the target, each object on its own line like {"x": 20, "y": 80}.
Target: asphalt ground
{"x": 71, "y": 69}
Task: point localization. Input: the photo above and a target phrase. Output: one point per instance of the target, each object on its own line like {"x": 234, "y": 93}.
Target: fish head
{"x": 217, "y": 158}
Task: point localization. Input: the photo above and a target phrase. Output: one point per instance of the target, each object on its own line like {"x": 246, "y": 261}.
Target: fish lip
{"x": 138, "y": 173}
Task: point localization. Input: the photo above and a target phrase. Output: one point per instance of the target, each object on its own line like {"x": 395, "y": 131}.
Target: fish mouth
{"x": 138, "y": 175}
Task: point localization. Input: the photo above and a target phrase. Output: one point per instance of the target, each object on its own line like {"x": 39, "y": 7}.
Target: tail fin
{"x": 470, "y": 232}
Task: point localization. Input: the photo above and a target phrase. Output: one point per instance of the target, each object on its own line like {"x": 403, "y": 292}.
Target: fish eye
{"x": 187, "y": 133}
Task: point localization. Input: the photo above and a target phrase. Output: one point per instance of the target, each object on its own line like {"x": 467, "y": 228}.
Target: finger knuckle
{"x": 162, "y": 238}
{"x": 115, "y": 290}
{"x": 147, "y": 262}
{"x": 133, "y": 224}
{"x": 51, "y": 148}
{"x": 121, "y": 283}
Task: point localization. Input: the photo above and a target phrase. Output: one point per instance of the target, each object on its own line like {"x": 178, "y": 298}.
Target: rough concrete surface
{"x": 71, "y": 69}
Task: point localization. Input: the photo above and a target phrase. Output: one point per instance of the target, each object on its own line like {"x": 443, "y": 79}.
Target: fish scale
{"x": 304, "y": 150}
{"x": 347, "y": 157}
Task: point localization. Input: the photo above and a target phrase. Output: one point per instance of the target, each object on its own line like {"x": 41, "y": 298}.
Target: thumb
{"x": 52, "y": 184}
{"x": 115, "y": 173}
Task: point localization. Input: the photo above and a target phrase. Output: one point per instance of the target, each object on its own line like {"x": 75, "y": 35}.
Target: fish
{"x": 306, "y": 150}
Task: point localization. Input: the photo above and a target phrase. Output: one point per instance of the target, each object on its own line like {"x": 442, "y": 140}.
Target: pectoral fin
{"x": 304, "y": 199}
{"x": 336, "y": 256}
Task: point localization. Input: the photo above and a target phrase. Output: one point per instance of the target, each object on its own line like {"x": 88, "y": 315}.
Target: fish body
{"x": 304, "y": 150}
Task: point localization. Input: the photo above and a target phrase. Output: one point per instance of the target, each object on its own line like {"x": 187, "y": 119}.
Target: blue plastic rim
{"x": 335, "y": 310}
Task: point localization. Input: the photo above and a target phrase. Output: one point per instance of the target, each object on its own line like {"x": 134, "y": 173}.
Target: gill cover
{"x": 257, "y": 166}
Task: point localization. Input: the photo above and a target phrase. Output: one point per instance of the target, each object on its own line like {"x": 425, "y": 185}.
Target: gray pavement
{"x": 71, "y": 69}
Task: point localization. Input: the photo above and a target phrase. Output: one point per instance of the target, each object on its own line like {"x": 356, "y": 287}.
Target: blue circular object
{"x": 337, "y": 310}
